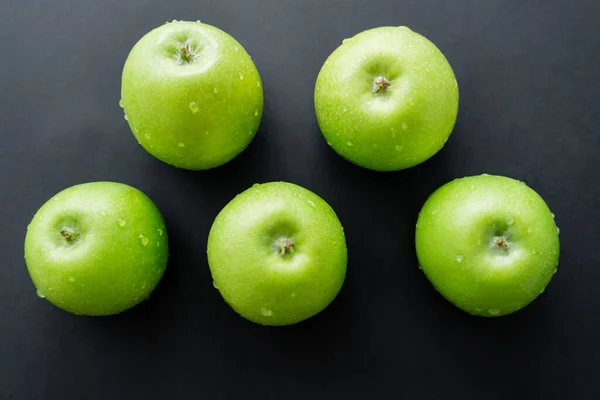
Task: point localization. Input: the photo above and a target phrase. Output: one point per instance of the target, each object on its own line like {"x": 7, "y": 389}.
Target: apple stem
{"x": 500, "y": 242}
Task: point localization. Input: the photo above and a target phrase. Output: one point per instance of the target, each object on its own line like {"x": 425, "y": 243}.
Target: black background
{"x": 529, "y": 80}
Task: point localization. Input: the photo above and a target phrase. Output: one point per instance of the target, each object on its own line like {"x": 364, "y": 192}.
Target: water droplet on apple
{"x": 557, "y": 230}
{"x": 349, "y": 144}
{"x": 121, "y": 222}
{"x": 256, "y": 112}
{"x": 125, "y": 116}
{"x": 194, "y": 107}
{"x": 103, "y": 213}
{"x": 345, "y": 109}
{"x": 241, "y": 75}
{"x": 257, "y": 84}
{"x": 534, "y": 251}
{"x": 198, "y": 21}
{"x": 266, "y": 312}
{"x": 181, "y": 144}
{"x": 542, "y": 291}
{"x": 160, "y": 232}
{"x": 434, "y": 211}
{"x": 174, "y": 20}
{"x": 528, "y": 230}
{"x": 364, "y": 57}
{"x": 56, "y": 198}
{"x": 215, "y": 284}
{"x": 555, "y": 270}
{"x": 329, "y": 143}
{"x": 143, "y": 240}
{"x": 40, "y": 294}
{"x": 206, "y": 132}
{"x": 404, "y": 126}
{"x": 256, "y": 184}
{"x": 235, "y": 48}
{"x": 494, "y": 311}
{"x": 249, "y": 133}
{"x": 293, "y": 294}
{"x": 399, "y": 148}
{"x": 147, "y": 136}
{"x": 312, "y": 204}
{"x": 510, "y": 221}
{"x": 345, "y": 40}
{"x": 144, "y": 285}
{"x": 552, "y": 215}
{"x": 121, "y": 103}
{"x": 478, "y": 309}
{"x": 485, "y": 174}
{"x": 157, "y": 244}
{"x": 460, "y": 258}
{"x": 71, "y": 279}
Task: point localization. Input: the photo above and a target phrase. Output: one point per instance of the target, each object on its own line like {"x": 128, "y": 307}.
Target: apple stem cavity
{"x": 380, "y": 85}
{"x": 69, "y": 236}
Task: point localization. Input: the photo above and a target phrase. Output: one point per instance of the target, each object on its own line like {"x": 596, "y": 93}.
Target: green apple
{"x": 488, "y": 244}
{"x": 386, "y": 99}
{"x": 97, "y": 248}
{"x": 192, "y": 95}
{"x": 277, "y": 253}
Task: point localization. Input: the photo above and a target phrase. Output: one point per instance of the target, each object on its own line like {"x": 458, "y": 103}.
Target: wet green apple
{"x": 488, "y": 244}
{"x": 277, "y": 254}
{"x": 192, "y": 95}
{"x": 386, "y": 99}
{"x": 97, "y": 248}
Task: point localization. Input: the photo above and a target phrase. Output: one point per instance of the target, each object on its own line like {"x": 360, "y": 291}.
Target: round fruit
{"x": 96, "y": 248}
{"x": 488, "y": 244}
{"x": 386, "y": 99}
{"x": 192, "y": 95}
{"x": 277, "y": 254}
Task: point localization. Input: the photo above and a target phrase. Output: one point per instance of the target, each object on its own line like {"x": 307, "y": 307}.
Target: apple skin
{"x": 386, "y": 128}
{"x": 116, "y": 255}
{"x": 195, "y": 115}
{"x": 460, "y": 249}
{"x": 250, "y": 267}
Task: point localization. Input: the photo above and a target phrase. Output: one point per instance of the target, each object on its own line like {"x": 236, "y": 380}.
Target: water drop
{"x": 542, "y": 291}
{"x": 144, "y": 285}
{"x": 399, "y": 148}
{"x": 478, "y": 309}
{"x": 71, "y": 279}
{"x": 206, "y": 132}
{"x": 257, "y": 84}
{"x": 557, "y": 230}
{"x": 215, "y": 284}
{"x": 528, "y": 230}
{"x": 121, "y": 103}
{"x": 216, "y": 90}
{"x": 235, "y": 48}
{"x": 125, "y": 116}
{"x": 241, "y": 76}
{"x": 103, "y": 213}
{"x": 143, "y": 240}
{"x": 160, "y": 232}
{"x": 249, "y": 133}
{"x": 460, "y": 258}
{"x": 329, "y": 143}
{"x": 534, "y": 251}
{"x": 411, "y": 104}
{"x": 510, "y": 221}
{"x": 194, "y": 107}
{"x": 256, "y": 112}
{"x": 485, "y": 174}
{"x": 256, "y": 184}
{"x": 494, "y": 311}
{"x": 147, "y": 136}
{"x": 121, "y": 222}
{"x": 293, "y": 294}
{"x": 345, "y": 40}
{"x": 364, "y": 57}
{"x": 181, "y": 144}
{"x": 312, "y": 204}
{"x": 174, "y": 20}
{"x": 40, "y": 294}
{"x": 266, "y": 312}
{"x": 555, "y": 270}
{"x": 345, "y": 109}
{"x": 404, "y": 126}
{"x": 434, "y": 211}
{"x": 157, "y": 244}
{"x": 350, "y": 144}
{"x": 552, "y": 215}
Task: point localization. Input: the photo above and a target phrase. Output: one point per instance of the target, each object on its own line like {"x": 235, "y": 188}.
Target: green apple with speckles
{"x": 192, "y": 95}
{"x": 488, "y": 244}
{"x": 277, "y": 254}
{"x": 97, "y": 248}
{"x": 386, "y": 99}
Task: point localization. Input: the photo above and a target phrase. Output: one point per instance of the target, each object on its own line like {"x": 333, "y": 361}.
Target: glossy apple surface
{"x": 386, "y": 99}
{"x": 97, "y": 248}
{"x": 277, "y": 254}
{"x": 488, "y": 244}
{"x": 192, "y": 95}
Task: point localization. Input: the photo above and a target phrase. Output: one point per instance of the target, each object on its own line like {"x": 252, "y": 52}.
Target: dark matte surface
{"x": 530, "y": 100}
